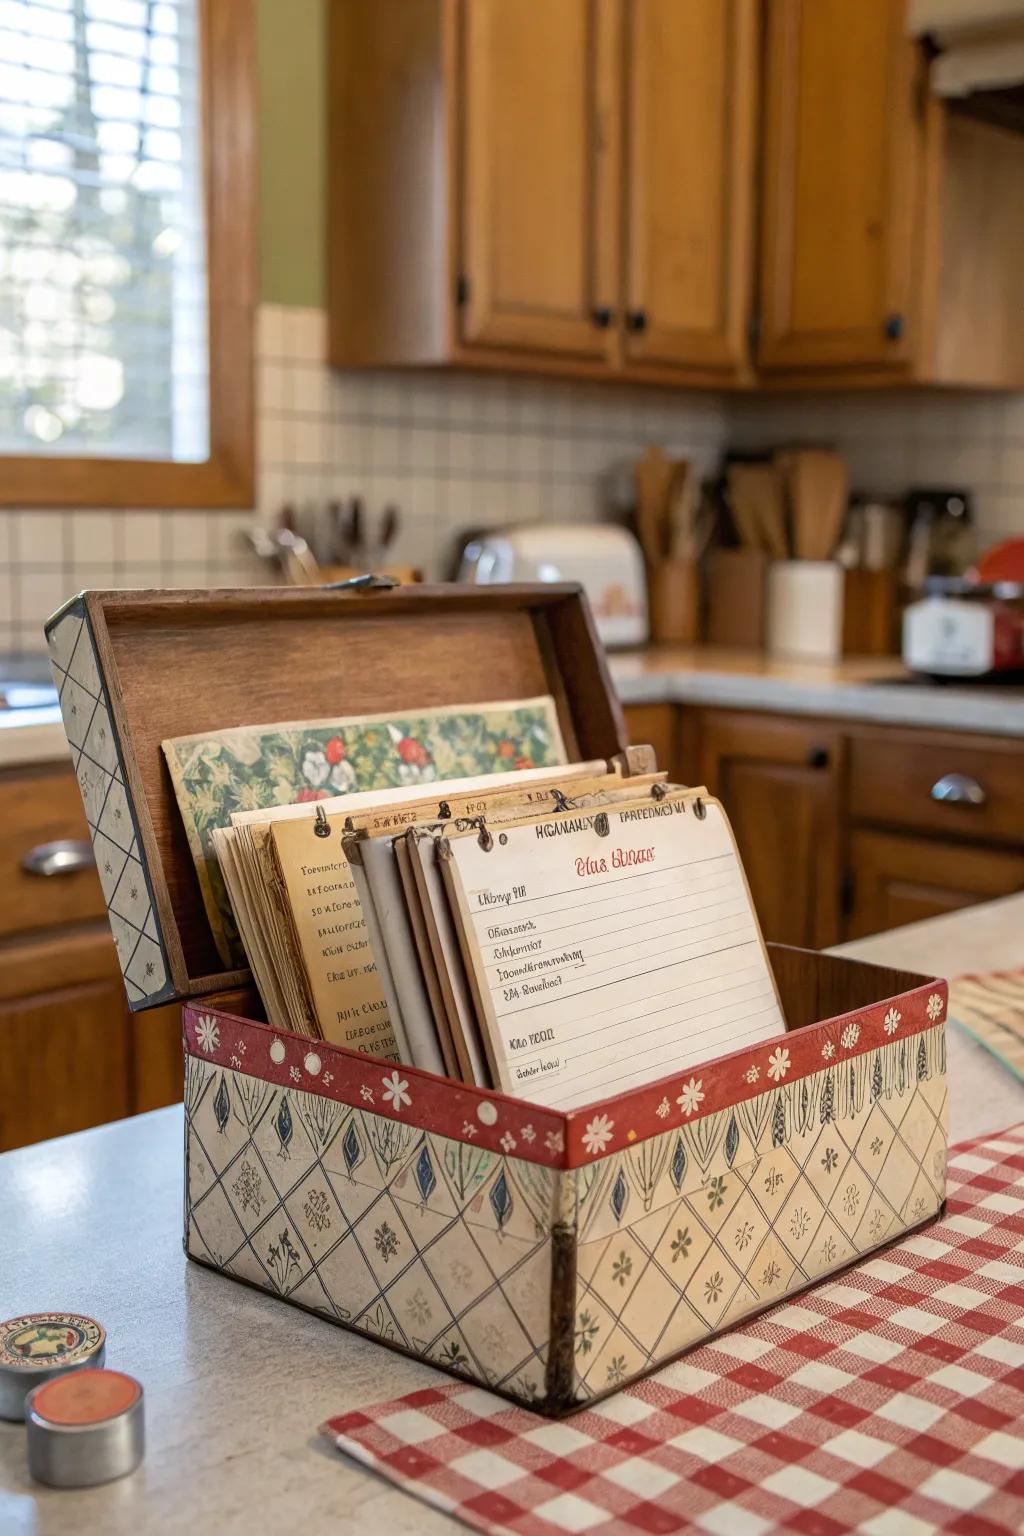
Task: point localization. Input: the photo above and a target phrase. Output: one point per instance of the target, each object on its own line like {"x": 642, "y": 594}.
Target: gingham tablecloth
{"x": 889, "y": 1401}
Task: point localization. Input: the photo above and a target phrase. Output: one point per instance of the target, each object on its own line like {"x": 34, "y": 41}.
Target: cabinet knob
{"x": 817, "y": 757}
{"x": 958, "y": 789}
{"x": 893, "y": 327}
{"x": 636, "y": 320}
{"x": 65, "y": 857}
{"x": 602, "y": 317}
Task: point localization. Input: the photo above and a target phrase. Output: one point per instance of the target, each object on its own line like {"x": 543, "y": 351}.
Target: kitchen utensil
{"x": 884, "y": 529}
{"x": 817, "y": 484}
{"x": 654, "y": 472}
{"x": 756, "y": 489}
{"x": 604, "y": 558}
{"x": 674, "y": 601}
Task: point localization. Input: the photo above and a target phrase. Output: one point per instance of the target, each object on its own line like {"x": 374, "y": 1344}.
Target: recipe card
{"x": 609, "y": 948}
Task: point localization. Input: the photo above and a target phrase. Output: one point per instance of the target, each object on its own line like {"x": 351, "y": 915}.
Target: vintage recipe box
{"x": 550, "y": 1256}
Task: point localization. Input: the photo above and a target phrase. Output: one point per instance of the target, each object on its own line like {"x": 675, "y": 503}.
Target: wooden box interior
{"x": 178, "y": 663}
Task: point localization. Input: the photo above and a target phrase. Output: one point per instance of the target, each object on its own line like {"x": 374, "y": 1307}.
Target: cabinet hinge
{"x": 846, "y": 894}
{"x": 754, "y": 332}
{"x": 461, "y": 290}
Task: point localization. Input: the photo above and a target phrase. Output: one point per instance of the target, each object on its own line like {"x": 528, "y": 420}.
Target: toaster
{"x": 605, "y": 559}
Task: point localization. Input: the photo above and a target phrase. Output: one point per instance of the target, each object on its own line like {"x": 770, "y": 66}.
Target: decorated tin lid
{"x": 85, "y": 1429}
{"x": 40, "y": 1346}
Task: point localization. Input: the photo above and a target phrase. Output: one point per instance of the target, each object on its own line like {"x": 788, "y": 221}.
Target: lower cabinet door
{"x": 778, "y": 780}
{"x": 71, "y": 1055}
{"x": 899, "y": 879}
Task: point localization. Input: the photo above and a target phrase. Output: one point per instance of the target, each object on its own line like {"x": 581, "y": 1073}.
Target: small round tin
{"x": 40, "y": 1346}
{"x": 85, "y": 1429}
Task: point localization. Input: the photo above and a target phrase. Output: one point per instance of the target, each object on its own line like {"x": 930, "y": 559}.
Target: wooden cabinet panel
{"x": 779, "y": 782}
{"x": 689, "y": 167}
{"x": 38, "y": 807}
{"x": 539, "y": 156}
{"x": 157, "y": 1063}
{"x": 892, "y": 776}
{"x": 903, "y": 879}
{"x": 66, "y": 1050}
{"x": 843, "y": 157}
{"x": 654, "y": 725}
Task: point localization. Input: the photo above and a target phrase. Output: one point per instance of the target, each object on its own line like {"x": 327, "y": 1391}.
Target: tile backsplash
{"x": 455, "y": 452}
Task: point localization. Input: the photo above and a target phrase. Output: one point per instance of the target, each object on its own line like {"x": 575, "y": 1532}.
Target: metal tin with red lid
{"x": 85, "y": 1429}
{"x": 40, "y": 1346}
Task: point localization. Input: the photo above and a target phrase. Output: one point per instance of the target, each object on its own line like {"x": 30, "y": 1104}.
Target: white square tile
{"x": 955, "y": 1488}
{"x": 38, "y": 538}
{"x": 271, "y": 386}
{"x": 93, "y": 538}
{"x": 270, "y": 331}
{"x": 41, "y": 593}
{"x": 307, "y": 441}
{"x": 307, "y": 385}
{"x": 142, "y": 535}
{"x": 305, "y": 334}
{"x": 189, "y": 536}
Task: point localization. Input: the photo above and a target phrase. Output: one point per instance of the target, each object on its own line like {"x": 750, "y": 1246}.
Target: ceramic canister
{"x": 85, "y": 1429}
{"x": 40, "y": 1346}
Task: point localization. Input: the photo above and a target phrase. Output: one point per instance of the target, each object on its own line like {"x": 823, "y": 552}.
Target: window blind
{"x": 103, "y": 291}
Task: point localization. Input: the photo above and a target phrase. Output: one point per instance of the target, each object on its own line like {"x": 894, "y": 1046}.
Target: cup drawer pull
{"x": 65, "y": 857}
{"x": 958, "y": 789}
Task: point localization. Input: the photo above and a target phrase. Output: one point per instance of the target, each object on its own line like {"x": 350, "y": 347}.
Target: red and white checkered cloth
{"x": 888, "y": 1401}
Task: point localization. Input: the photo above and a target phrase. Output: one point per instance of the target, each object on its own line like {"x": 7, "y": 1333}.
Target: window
{"x": 126, "y": 254}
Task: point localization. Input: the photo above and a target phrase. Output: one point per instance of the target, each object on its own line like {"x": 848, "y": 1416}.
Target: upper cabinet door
{"x": 843, "y": 157}
{"x": 539, "y": 136}
{"x": 692, "y": 87}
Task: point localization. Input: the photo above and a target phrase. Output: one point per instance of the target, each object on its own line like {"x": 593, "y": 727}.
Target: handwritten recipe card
{"x": 608, "y": 949}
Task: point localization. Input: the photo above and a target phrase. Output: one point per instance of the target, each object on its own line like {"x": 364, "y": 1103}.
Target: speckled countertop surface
{"x": 864, "y": 688}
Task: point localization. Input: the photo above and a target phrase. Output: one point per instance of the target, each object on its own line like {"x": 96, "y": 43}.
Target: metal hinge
{"x": 461, "y": 290}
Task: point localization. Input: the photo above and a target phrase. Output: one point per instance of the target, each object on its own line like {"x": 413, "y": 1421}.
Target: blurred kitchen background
{"x": 292, "y": 288}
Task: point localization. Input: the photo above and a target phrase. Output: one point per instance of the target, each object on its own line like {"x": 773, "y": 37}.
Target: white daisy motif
{"x": 207, "y": 1034}
{"x": 240, "y": 1047}
{"x": 328, "y": 1077}
{"x": 236, "y": 1062}
{"x": 891, "y": 1021}
{"x": 849, "y": 1037}
{"x": 554, "y": 1141}
{"x": 662, "y": 1109}
{"x": 828, "y": 1050}
{"x": 933, "y": 1007}
{"x": 508, "y": 1142}
{"x": 468, "y": 1129}
{"x": 396, "y": 1089}
{"x": 598, "y": 1134}
{"x": 752, "y": 1074}
{"x": 528, "y": 1133}
{"x": 690, "y": 1095}
{"x": 294, "y": 1074}
{"x": 366, "y": 1094}
{"x": 778, "y": 1064}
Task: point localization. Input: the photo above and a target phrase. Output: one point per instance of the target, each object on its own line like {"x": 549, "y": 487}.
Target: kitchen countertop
{"x": 872, "y": 688}
{"x": 236, "y": 1384}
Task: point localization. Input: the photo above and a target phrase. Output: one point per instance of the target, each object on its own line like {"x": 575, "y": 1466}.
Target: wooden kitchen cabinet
{"x": 779, "y": 780}
{"x": 890, "y": 226}
{"x": 538, "y": 229}
{"x": 72, "y": 1054}
{"x": 691, "y": 100}
{"x": 555, "y": 185}
{"x": 843, "y": 827}
{"x": 896, "y": 879}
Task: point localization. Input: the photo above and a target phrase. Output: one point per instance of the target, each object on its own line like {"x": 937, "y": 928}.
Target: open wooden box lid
{"x": 137, "y": 667}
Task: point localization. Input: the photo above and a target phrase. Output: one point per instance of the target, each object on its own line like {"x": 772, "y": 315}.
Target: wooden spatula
{"x": 758, "y": 507}
{"x": 819, "y": 487}
{"x": 653, "y": 474}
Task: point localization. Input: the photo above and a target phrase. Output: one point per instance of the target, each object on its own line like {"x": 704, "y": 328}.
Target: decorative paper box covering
{"x": 551, "y": 1257}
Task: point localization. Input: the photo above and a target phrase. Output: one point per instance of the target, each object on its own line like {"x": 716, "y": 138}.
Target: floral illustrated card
{"x": 255, "y": 767}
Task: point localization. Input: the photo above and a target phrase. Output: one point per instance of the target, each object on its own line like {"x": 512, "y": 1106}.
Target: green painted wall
{"x": 292, "y": 65}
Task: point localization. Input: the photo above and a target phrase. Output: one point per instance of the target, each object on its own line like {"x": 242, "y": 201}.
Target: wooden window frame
{"x": 226, "y": 477}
